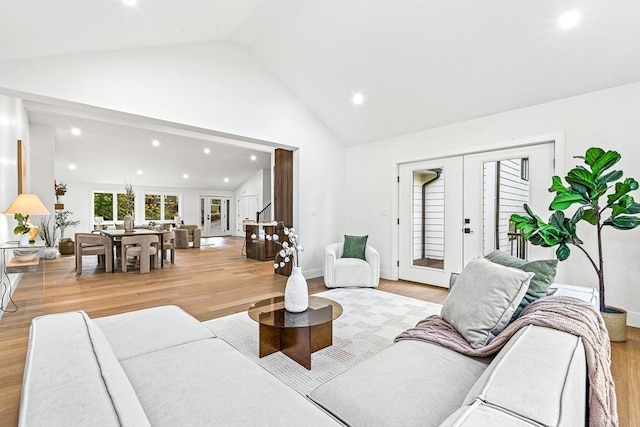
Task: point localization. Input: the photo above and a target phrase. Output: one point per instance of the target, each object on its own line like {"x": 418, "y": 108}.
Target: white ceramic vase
{"x": 24, "y": 239}
{"x": 296, "y": 293}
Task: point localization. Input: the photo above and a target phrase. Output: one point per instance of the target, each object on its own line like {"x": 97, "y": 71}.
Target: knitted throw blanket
{"x": 565, "y": 314}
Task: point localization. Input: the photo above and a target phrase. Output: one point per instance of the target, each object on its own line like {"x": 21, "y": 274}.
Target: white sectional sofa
{"x": 161, "y": 366}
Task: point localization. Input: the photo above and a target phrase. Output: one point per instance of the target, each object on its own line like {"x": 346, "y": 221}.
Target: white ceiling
{"x": 419, "y": 64}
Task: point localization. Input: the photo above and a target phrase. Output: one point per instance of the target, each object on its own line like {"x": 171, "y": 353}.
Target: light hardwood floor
{"x": 211, "y": 282}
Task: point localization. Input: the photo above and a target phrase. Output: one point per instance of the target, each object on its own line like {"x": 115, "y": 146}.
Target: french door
{"x": 214, "y": 216}
{"x": 458, "y": 208}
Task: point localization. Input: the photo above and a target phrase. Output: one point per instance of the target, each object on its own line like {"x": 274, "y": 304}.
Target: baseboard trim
{"x": 633, "y": 319}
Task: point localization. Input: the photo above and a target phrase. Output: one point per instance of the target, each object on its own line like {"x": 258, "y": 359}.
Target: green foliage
{"x": 23, "y": 224}
{"x": 103, "y": 205}
{"x": 64, "y": 221}
{"x": 586, "y": 187}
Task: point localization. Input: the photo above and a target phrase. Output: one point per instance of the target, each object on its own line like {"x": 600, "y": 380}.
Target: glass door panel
{"x": 430, "y": 220}
{"x": 498, "y": 184}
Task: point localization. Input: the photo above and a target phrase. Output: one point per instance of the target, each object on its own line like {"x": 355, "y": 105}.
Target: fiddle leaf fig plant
{"x": 587, "y": 187}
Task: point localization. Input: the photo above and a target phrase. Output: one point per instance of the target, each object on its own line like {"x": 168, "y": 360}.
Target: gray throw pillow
{"x": 544, "y": 270}
{"x": 485, "y": 297}
{"x": 354, "y": 247}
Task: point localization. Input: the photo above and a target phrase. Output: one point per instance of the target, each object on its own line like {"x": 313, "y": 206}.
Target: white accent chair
{"x": 351, "y": 272}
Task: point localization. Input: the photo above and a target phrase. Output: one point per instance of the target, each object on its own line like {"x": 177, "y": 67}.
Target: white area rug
{"x": 371, "y": 319}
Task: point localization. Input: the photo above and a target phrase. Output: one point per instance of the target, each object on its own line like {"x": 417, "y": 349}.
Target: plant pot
{"x": 66, "y": 247}
{"x": 615, "y": 319}
{"x": 24, "y": 239}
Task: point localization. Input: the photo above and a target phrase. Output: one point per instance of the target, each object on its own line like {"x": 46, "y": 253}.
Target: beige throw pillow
{"x": 484, "y": 299}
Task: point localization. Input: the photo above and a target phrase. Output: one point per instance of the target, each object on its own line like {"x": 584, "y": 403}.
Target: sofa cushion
{"x": 484, "y": 299}
{"x": 143, "y": 331}
{"x": 354, "y": 246}
{"x": 351, "y": 272}
{"x": 72, "y": 377}
{"x": 410, "y": 383}
{"x": 208, "y": 382}
{"x": 544, "y": 270}
{"x": 539, "y": 375}
{"x": 481, "y": 414}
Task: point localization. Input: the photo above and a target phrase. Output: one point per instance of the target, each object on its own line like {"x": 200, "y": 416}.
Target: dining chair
{"x": 93, "y": 244}
{"x": 144, "y": 248}
{"x": 169, "y": 245}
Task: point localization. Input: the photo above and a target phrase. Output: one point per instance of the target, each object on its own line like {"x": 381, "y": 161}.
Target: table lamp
{"x": 27, "y": 204}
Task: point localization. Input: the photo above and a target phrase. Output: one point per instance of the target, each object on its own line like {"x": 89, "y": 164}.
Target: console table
{"x": 29, "y": 274}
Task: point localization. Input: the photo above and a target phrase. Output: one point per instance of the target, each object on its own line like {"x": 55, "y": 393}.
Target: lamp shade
{"x": 27, "y": 204}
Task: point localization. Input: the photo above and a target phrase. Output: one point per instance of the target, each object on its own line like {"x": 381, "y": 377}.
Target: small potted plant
{"x": 63, "y": 221}
{"x": 61, "y": 190}
{"x": 587, "y": 186}
{"x": 23, "y": 228}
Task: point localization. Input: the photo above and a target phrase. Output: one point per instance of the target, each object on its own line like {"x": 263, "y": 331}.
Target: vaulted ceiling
{"x": 418, "y": 64}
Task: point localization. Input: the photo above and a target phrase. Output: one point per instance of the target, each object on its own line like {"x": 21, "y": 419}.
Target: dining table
{"x": 119, "y": 233}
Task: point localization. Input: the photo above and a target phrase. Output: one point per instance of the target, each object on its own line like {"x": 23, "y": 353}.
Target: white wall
{"x": 608, "y": 118}
{"x": 13, "y": 127}
{"x": 217, "y": 86}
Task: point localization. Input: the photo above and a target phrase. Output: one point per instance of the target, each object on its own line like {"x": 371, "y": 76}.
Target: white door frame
{"x": 559, "y": 167}
{"x": 224, "y": 202}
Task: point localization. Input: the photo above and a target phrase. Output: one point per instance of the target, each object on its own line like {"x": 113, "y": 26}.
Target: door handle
{"x": 467, "y": 230}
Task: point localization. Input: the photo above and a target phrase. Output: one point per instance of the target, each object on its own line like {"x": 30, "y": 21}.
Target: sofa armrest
{"x": 539, "y": 375}
{"x": 73, "y": 378}
{"x": 332, "y": 252}
{"x": 373, "y": 258}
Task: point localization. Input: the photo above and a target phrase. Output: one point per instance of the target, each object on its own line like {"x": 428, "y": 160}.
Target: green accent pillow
{"x": 354, "y": 246}
{"x": 545, "y": 273}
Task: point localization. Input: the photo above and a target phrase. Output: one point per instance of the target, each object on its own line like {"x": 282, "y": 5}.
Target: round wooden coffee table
{"x": 295, "y": 334}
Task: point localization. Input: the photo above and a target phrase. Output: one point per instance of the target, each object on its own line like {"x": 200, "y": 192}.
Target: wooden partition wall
{"x": 283, "y": 196}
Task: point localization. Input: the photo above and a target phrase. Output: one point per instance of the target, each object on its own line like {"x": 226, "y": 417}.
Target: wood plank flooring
{"x": 211, "y": 282}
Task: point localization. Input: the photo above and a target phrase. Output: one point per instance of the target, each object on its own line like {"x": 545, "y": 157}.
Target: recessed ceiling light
{"x": 76, "y": 131}
{"x": 226, "y": 180}
{"x": 358, "y": 98}
{"x": 568, "y": 19}
{"x": 139, "y": 172}
{"x": 253, "y": 158}
{"x": 155, "y": 143}
{"x": 130, "y": 2}
{"x": 185, "y": 176}
{"x": 207, "y": 151}
{"x": 72, "y": 167}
